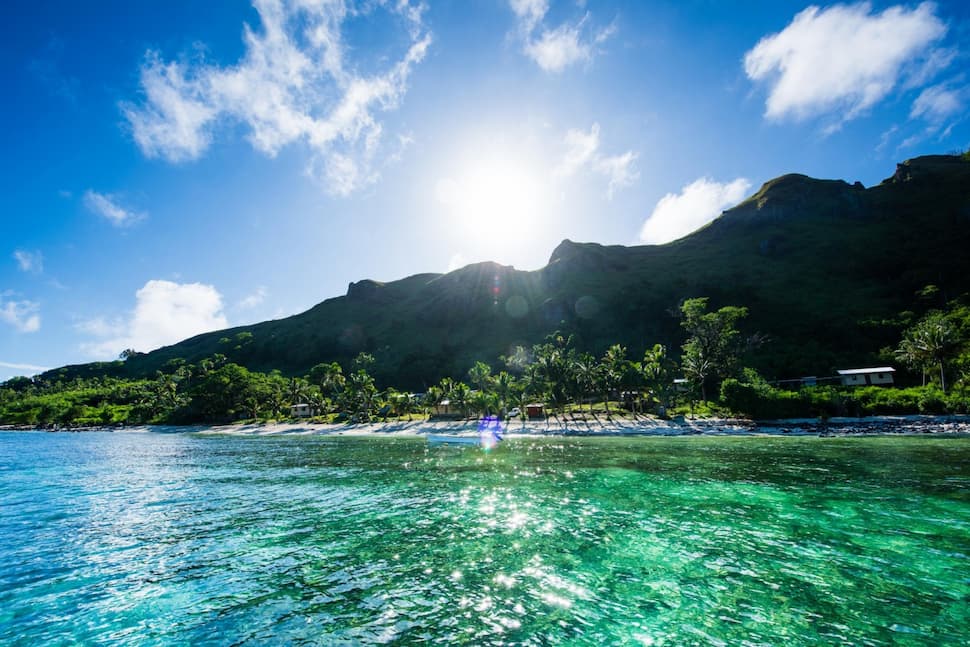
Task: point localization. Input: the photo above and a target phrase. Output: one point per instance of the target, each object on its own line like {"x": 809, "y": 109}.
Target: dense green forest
{"x": 934, "y": 351}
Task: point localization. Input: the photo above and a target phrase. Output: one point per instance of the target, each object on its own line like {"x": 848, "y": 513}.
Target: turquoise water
{"x": 178, "y": 539}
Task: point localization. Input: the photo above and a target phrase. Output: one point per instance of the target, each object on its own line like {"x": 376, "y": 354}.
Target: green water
{"x": 154, "y": 539}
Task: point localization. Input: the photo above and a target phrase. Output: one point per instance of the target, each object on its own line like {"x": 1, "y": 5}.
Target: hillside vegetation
{"x": 831, "y": 274}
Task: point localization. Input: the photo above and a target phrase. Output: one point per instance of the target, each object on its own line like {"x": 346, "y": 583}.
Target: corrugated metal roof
{"x": 865, "y": 371}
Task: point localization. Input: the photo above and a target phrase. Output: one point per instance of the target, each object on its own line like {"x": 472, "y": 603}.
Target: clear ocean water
{"x": 189, "y": 539}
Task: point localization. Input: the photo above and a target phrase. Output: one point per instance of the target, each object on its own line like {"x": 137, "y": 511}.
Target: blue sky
{"x": 174, "y": 167}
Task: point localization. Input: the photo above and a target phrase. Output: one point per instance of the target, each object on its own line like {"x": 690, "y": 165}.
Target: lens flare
{"x": 489, "y": 431}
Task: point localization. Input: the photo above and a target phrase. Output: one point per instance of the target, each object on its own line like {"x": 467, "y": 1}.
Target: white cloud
{"x": 698, "y": 203}
{"x": 294, "y": 84}
{"x": 618, "y": 169}
{"x": 582, "y": 150}
{"x": 22, "y": 315}
{"x": 885, "y": 138}
{"x": 31, "y": 368}
{"x": 107, "y": 206}
{"x": 842, "y": 60}
{"x": 559, "y": 48}
{"x": 938, "y": 109}
{"x": 581, "y": 147}
{"x": 935, "y": 104}
{"x": 29, "y": 261}
{"x": 164, "y": 313}
{"x": 101, "y": 327}
{"x": 250, "y": 301}
{"x": 529, "y": 12}
{"x": 555, "y": 49}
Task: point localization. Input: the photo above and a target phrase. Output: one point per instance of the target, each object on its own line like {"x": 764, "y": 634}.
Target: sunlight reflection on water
{"x": 185, "y": 539}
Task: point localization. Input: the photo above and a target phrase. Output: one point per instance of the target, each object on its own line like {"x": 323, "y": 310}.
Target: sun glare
{"x": 495, "y": 199}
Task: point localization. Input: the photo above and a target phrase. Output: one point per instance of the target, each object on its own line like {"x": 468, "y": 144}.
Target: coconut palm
{"x": 503, "y": 384}
{"x": 912, "y": 356}
{"x": 586, "y": 370}
{"x": 612, "y": 368}
{"x": 932, "y": 341}
{"x": 657, "y": 370}
{"x": 460, "y": 395}
{"x": 480, "y": 376}
{"x": 483, "y": 403}
{"x": 298, "y": 389}
{"x": 432, "y": 398}
{"x": 359, "y": 396}
{"x": 329, "y": 377}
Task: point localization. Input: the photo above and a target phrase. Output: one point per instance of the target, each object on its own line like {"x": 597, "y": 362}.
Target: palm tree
{"x": 460, "y": 395}
{"x": 483, "y": 402}
{"x": 408, "y": 404}
{"x": 329, "y": 377}
{"x": 586, "y": 370}
{"x": 392, "y": 402}
{"x": 554, "y": 363}
{"x": 359, "y": 395}
{"x": 447, "y": 385}
{"x": 504, "y": 384}
{"x": 533, "y": 384}
{"x": 480, "y": 376}
{"x": 697, "y": 368}
{"x": 612, "y": 368}
{"x": 912, "y": 356}
{"x": 252, "y": 406}
{"x": 657, "y": 371}
{"x": 317, "y": 401}
{"x": 298, "y": 389}
{"x": 933, "y": 340}
{"x": 432, "y": 397}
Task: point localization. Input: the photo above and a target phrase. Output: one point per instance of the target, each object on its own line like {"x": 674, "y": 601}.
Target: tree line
{"x": 709, "y": 372}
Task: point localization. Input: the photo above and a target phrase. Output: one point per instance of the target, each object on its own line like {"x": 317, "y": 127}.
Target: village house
{"x": 446, "y": 408}
{"x": 880, "y": 376}
{"x": 301, "y": 410}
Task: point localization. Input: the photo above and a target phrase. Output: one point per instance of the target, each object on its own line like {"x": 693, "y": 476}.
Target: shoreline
{"x": 905, "y": 425}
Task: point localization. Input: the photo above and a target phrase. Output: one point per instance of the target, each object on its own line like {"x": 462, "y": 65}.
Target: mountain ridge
{"x": 825, "y": 268}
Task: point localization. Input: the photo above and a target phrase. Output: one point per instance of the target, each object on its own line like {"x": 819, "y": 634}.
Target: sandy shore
{"x": 875, "y": 425}
{"x": 514, "y": 428}
{"x": 868, "y": 426}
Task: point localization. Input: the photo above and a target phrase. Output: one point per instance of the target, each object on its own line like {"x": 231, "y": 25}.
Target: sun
{"x": 499, "y": 198}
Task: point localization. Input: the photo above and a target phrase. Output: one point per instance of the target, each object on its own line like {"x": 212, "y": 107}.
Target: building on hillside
{"x": 301, "y": 410}
{"x": 880, "y": 376}
{"x": 445, "y": 408}
{"x": 535, "y": 410}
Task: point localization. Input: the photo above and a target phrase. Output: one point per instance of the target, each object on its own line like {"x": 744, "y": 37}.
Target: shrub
{"x": 762, "y": 401}
{"x": 932, "y": 401}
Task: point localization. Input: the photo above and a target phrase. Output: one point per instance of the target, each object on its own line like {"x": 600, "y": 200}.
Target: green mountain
{"x": 825, "y": 267}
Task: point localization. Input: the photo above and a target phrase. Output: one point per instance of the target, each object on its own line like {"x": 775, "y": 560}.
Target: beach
{"x": 954, "y": 425}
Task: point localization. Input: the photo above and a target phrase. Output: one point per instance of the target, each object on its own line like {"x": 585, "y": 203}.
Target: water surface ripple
{"x": 177, "y": 539}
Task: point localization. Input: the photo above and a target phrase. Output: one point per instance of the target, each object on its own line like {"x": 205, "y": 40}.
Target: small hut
{"x": 301, "y": 410}
{"x": 880, "y": 376}
{"x": 445, "y": 408}
{"x": 535, "y": 410}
